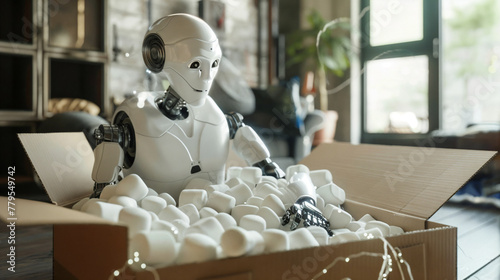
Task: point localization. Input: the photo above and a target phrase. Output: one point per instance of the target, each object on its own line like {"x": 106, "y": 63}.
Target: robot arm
{"x": 115, "y": 144}
{"x": 250, "y": 147}
{"x": 302, "y": 191}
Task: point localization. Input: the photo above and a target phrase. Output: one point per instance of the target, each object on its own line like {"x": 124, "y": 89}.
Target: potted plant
{"x": 327, "y": 46}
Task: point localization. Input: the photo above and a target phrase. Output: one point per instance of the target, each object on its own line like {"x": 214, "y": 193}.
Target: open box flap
{"x": 29, "y": 212}
{"x": 408, "y": 180}
{"x": 63, "y": 161}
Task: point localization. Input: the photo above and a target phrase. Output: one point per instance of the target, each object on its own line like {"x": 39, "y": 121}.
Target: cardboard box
{"x": 402, "y": 186}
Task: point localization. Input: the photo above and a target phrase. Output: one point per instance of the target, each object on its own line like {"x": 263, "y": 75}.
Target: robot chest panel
{"x": 176, "y": 156}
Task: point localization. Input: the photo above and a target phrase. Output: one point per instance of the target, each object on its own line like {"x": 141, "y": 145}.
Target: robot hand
{"x": 107, "y": 166}
{"x": 270, "y": 168}
{"x": 250, "y": 147}
{"x": 304, "y": 208}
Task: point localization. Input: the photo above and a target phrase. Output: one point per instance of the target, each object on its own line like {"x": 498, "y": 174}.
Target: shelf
{"x": 16, "y": 22}
{"x": 17, "y": 82}
{"x": 77, "y": 79}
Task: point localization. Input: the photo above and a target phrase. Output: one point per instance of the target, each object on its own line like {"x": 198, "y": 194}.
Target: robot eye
{"x": 215, "y": 63}
{"x": 195, "y": 65}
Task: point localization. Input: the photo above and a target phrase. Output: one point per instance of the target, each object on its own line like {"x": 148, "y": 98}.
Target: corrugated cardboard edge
{"x": 29, "y": 212}
{"x": 414, "y": 181}
{"x": 430, "y": 253}
{"x": 63, "y": 162}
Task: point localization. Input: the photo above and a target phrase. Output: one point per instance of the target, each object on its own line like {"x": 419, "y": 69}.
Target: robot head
{"x": 187, "y": 50}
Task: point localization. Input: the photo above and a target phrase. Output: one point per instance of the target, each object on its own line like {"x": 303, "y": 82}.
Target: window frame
{"x": 429, "y": 46}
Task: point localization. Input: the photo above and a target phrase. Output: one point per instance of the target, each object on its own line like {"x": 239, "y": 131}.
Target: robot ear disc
{"x": 153, "y": 52}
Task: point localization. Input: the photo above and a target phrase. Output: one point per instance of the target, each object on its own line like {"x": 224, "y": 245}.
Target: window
{"x": 470, "y": 61}
{"x": 399, "y": 55}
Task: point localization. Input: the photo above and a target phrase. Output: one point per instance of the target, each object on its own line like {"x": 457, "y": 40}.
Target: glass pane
{"x": 77, "y": 24}
{"x": 396, "y": 21}
{"x": 470, "y": 61}
{"x": 82, "y": 79}
{"x": 397, "y": 99}
{"x": 16, "y": 22}
{"x": 17, "y": 82}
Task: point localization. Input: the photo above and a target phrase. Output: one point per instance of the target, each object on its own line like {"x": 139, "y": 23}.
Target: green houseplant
{"x": 325, "y": 47}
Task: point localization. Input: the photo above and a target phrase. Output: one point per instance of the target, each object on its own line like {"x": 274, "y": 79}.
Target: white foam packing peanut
{"x": 251, "y": 175}
{"x": 321, "y": 177}
{"x": 339, "y": 218}
{"x": 255, "y": 200}
{"x": 152, "y": 192}
{"x": 154, "y": 217}
{"x": 320, "y": 203}
{"x": 153, "y": 203}
{"x": 355, "y": 225}
{"x": 105, "y": 210}
{"x": 371, "y": 233}
{"x": 366, "y": 218}
{"x": 209, "y": 226}
{"x": 294, "y": 169}
{"x": 264, "y": 189}
{"x": 395, "y": 230}
{"x": 217, "y": 187}
{"x": 383, "y": 227}
{"x": 233, "y": 172}
{"x": 202, "y": 218}
{"x": 332, "y": 194}
{"x": 234, "y": 181}
{"x": 274, "y": 202}
{"x": 343, "y": 237}
{"x": 302, "y": 238}
{"x": 167, "y": 226}
{"x": 221, "y": 202}
{"x": 136, "y": 219}
{"x": 197, "y": 247}
{"x": 275, "y": 240}
{"x": 89, "y": 202}
{"x": 132, "y": 186}
{"x": 253, "y": 222}
{"x": 181, "y": 226}
{"x": 122, "y": 200}
{"x": 198, "y": 197}
{"x": 240, "y": 192}
{"x": 226, "y": 220}
{"x": 108, "y": 191}
{"x": 171, "y": 213}
{"x": 191, "y": 211}
{"x": 272, "y": 220}
{"x": 319, "y": 234}
{"x": 207, "y": 212}
{"x": 154, "y": 247}
{"x": 79, "y": 204}
{"x": 168, "y": 198}
{"x": 242, "y": 210}
{"x": 238, "y": 241}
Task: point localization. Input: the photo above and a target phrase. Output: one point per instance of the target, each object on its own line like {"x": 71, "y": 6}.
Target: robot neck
{"x": 172, "y": 105}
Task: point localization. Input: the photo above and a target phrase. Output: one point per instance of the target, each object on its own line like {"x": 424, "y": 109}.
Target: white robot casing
{"x": 167, "y": 150}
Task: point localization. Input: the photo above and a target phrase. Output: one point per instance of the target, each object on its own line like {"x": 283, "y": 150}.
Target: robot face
{"x": 187, "y": 50}
{"x": 191, "y": 66}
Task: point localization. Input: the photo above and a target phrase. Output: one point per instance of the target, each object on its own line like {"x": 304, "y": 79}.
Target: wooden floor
{"x": 478, "y": 249}
{"x": 478, "y": 242}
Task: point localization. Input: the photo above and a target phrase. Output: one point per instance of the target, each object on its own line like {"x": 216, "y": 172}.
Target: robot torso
{"x": 169, "y": 153}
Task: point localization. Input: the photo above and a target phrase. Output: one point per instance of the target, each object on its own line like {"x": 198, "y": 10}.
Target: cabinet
{"x": 48, "y": 49}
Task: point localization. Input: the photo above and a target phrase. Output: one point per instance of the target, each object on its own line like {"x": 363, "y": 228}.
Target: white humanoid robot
{"x": 171, "y": 137}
